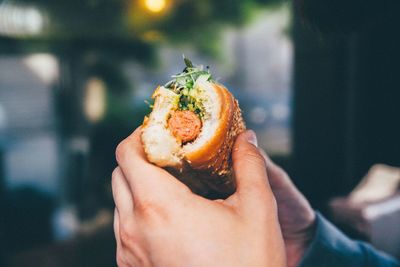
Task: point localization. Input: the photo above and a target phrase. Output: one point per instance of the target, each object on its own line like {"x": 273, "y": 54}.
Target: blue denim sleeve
{"x": 331, "y": 248}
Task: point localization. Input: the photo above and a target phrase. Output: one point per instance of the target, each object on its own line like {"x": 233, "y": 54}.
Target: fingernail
{"x": 251, "y": 137}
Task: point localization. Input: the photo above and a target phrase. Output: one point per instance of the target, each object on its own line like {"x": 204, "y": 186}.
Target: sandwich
{"x": 191, "y": 131}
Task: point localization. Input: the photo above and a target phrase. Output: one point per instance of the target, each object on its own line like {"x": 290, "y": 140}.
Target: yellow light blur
{"x": 152, "y": 36}
{"x": 155, "y": 6}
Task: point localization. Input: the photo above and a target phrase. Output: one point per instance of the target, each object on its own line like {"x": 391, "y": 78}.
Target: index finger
{"x": 144, "y": 178}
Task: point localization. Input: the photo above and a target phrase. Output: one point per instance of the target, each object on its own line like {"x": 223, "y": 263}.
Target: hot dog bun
{"x": 212, "y": 150}
{"x": 204, "y": 164}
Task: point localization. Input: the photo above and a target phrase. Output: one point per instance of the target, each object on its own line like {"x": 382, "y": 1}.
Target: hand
{"x": 296, "y": 217}
{"x": 159, "y": 222}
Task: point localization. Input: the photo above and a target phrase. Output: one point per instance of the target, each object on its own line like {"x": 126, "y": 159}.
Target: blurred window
{"x": 27, "y": 121}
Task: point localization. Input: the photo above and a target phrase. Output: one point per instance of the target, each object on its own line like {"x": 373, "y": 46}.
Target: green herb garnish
{"x": 151, "y": 105}
{"x": 183, "y": 85}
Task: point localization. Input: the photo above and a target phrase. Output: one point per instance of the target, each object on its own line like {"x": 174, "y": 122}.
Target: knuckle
{"x": 127, "y": 237}
{"x": 121, "y": 256}
{"x": 115, "y": 176}
{"x": 123, "y": 261}
{"x": 251, "y": 154}
{"x": 120, "y": 259}
{"x": 121, "y": 150}
{"x": 146, "y": 206}
{"x": 151, "y": 209}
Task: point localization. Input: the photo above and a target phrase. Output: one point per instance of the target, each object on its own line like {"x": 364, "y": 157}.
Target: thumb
{"x": 249, "y": 167}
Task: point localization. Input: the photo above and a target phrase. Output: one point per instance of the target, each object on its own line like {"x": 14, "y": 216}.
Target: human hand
{"x": 296, "y": 217}
{"x": 159, "y": 222}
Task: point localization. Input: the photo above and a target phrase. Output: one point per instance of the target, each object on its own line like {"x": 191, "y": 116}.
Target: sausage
{"x": 185, "y": 125}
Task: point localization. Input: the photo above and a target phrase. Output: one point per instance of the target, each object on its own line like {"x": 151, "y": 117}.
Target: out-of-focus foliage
{"x": 177, "y": 21}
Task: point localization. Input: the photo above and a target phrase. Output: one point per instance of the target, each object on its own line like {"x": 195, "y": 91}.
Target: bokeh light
{"x": 95, "y": 100}
{"x": 155, "y": 6}
{"x": 19, "y": 20}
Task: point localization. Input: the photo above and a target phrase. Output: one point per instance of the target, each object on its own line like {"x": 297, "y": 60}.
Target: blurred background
{"x": 317, "y": 80}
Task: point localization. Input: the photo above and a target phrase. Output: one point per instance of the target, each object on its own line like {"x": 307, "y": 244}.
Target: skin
{"x": 159, "y": 222}
{"x": 296, "y": 216}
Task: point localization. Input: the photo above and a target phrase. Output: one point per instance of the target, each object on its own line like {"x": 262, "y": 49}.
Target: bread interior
{"x": 161, "y": 146}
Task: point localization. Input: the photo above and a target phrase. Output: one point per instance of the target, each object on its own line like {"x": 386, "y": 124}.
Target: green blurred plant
{"x": 193, "y": 22}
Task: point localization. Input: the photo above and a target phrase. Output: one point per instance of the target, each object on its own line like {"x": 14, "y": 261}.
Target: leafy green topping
{"x": 187, "y": 78}
{"x": 151, "y": 105}
{"x": 183, "y": 85}
{"x": 188, "y": 101}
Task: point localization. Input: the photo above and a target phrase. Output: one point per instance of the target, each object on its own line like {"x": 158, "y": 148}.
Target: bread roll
{"x": 195, "y": 142}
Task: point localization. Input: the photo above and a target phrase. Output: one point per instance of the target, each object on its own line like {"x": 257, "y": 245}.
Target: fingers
{"x": 278, "y": 178}
{"x": 146, "y": 181}
{"x": 116, "y": 229}
{"x": 249, "y": 167}
{"x": 122, "y": 195}
{"x": 124, "y": 257}
{"x": 253, "y": 198}
{"x": 120, "y": 257}
{"x": 130, "y": 155}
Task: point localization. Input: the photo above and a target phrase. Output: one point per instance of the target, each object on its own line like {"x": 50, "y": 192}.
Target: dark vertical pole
{"x": 378, "y": 93}
{"x": 319, "y": 120}
{"x": 351, "y": 118}
{"x": 347, "y": 103}
{"x": 3, "y": 245}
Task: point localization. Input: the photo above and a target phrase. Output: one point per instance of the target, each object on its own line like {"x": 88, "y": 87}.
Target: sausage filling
{"x": 185, "y": 125}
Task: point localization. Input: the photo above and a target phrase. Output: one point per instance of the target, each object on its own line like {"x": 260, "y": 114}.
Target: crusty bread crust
{"x": 213, "y": 161}
{"x": 214, "y": 155}
{"x": 208, "y": 169}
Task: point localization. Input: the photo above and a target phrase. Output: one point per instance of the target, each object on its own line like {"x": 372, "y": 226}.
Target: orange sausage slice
{"x": 185, "y": 125}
